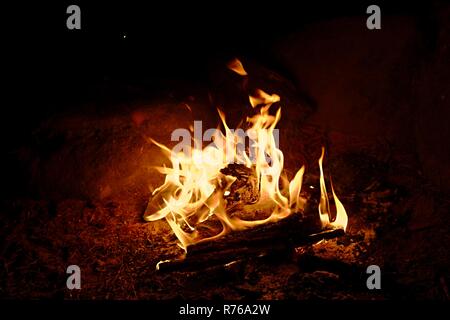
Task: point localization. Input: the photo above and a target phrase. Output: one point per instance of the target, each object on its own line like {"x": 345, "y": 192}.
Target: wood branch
{"x": 261, "y": 241}
{"x": 290, "y": 229}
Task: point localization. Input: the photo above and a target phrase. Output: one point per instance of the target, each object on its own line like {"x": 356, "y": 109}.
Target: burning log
{"x": 245, "y": 189}
{"x": 284, "y": 231}
{"x": 261, "y": 241}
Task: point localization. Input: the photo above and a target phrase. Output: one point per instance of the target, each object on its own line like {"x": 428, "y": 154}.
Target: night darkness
{"x": 147, "y": 44}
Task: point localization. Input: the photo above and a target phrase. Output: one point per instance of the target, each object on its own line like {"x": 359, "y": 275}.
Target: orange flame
{"x": 195, "y": 190}
{"x": 237, "y": 67}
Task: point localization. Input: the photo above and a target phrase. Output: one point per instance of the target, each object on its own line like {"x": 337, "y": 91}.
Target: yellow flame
{"x": 341, "y": 219}
{"x": 295, "y": 187}
{"x": 195, "y": 190}
{"x": 264, "y": 98}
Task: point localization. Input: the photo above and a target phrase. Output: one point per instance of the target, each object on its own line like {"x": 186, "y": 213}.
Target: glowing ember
{"x": 196, "y": 191}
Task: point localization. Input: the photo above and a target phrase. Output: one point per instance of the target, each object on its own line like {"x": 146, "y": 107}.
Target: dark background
{"x": 150, "y": 45}
{"x": 53, "y": 67}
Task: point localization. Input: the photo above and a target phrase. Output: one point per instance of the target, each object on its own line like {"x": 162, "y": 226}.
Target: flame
{"x": 295, "y": 187}
{"x": 195, "y": 190}
{"x": 261, "y": 97}
{"x": 237, "y": 67}
{"x": 341, "y": 219}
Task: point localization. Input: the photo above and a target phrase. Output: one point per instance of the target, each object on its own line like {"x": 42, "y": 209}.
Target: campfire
{"x": 142, "y": 161}
{"x": 230, "y": 186}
